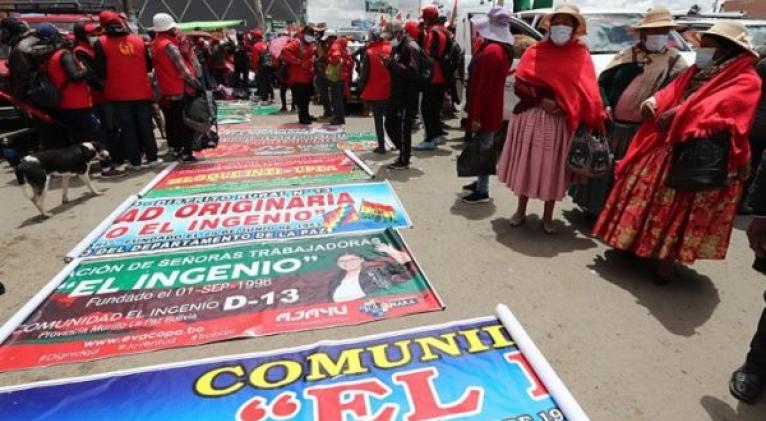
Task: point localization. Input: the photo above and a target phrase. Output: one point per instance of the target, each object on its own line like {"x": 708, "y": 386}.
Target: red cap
{"x": 257, "y": 33}
{"x": 107, "y": 16}
{"x": 430, "y": 12}
{"x": 412, "y": 28}
{"x": 91, "y": 28}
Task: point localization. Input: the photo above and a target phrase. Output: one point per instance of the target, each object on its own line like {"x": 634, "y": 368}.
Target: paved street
{"x": 627, "y": 349}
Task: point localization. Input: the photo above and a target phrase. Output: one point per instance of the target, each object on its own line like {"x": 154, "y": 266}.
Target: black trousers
{"x": 136, "y": 130}
{"x": 242, "y": 79}
{"x": 338, "y": 101}
{"x": 179, "y": 134}
{"x": 756, "y": 358}
{"x": 402, "y": 109}
{"x": 302, "y": 97}
{"x": 433, "y": 102}
{"x": 111, "y": 134}
{"x": 265, "y": 81}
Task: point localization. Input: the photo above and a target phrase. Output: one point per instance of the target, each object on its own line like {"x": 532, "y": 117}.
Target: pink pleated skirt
{"x": 533, "y": 162}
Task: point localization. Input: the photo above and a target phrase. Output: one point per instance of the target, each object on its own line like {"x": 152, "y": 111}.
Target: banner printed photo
{"x": 257, "y": 174}
{"x": 109, "y": 307}
{"x": 155, "y": 224}
{"x": 468, "y": 370}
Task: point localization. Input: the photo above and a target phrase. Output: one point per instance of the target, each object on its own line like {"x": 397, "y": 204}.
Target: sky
{"x": 644, "y": 4}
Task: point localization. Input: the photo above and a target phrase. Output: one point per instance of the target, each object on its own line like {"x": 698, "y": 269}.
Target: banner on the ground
{"x": 155, "y": 224}
{"x": 469, "y": 370}
{"x": 108, "y": 307}
{"x": 257, "y": 173}
{"x": 243, "y": 109}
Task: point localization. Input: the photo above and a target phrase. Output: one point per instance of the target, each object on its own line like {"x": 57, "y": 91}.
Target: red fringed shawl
{"x": 727, "y": 102}
{"x": 569, "y": 72}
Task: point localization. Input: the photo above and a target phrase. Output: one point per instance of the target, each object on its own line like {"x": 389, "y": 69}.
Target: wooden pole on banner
{"x": 559, "y": 392}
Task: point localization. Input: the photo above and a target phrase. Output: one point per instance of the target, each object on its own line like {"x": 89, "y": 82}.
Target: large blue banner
{"x": 154, "y": 224}
{"x": 470, "y": 370}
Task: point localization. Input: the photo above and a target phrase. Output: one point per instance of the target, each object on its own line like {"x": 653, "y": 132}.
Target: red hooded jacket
{"x": 300, "y": 56}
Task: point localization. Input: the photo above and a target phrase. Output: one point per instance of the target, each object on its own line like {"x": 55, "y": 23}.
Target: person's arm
{"x": 73, "y": 70}
{"x": 174, "y": 54}
{"x": 99, "y": 63}
{"x": 289, "y": 54}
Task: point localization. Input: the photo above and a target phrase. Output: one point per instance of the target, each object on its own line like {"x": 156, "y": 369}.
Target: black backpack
{"x": 267, "y": 60}
{"x": 453, "y": 60}
{"x": 425, "y": 68}
{"x": 42, "y": 92}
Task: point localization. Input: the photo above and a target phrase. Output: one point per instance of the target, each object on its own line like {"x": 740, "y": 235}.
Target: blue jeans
{"x": 487, "y": 142}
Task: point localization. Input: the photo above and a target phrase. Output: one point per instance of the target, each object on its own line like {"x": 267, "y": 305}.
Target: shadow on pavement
{"x": 398, "y": 175}
{"x": 581, "y": 221}
{"x": 473, "y": 212}
{"x": 681, "y": 307}
{"x": 61, "y": 208}
{"x": 440, "y": 151}
{"x": 530, "y": 240}
{"x": 722, "y": 411}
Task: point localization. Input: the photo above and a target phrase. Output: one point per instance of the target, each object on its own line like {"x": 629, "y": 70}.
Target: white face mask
{"x": 92, "y": 40}
{"x": 704, "y": 57}
{"x": 309, "y": 38}
{"x": 656, "y": 43}
{"x": 561, "y": 34}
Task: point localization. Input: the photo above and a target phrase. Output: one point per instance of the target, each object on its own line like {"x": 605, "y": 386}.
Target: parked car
{"x": 608, "y": 33}
{"x": 692, "y": 24}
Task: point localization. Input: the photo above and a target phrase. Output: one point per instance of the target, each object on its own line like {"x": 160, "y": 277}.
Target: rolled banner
{"x": 564, "y": 399}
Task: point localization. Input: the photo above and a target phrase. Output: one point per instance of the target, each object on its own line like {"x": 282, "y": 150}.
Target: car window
{"x": 610, "y": 33}
{"x": 757, "y": 34}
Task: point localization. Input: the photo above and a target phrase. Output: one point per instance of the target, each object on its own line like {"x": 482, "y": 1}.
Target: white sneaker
{"x": 154, "y": 164}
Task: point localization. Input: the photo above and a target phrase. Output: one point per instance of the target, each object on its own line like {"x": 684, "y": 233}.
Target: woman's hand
{"x": 648, "y": 109}
{"x": 666, "y": 119}
{"x": 550, "y": 106}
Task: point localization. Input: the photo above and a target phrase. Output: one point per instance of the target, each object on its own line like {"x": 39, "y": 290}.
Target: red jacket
{"x": 170, "y": 79}
{"x": 489, "y": 68}
{"x": 378, "y": 87}
{"x": 256, "y": 54}
{"x": 126, "y": 69}
{"x": 74, "y": 94}
{"x": 339, "y": 54}
{"x": 87, "y": 49}
{"x": 300, "y": 57}
{"x": 438, "y": 35}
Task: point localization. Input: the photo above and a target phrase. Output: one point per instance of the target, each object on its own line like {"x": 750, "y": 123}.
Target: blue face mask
{"x": 704, "y": 57}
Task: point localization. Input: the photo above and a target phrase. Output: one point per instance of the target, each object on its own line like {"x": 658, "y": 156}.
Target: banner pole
{"x": 359, "y": 162}
{"x": 25, "y": 311}
{"x": 91, "y": 237}
{"x": 559, "y": 392}
{"x": 156, "y": 180}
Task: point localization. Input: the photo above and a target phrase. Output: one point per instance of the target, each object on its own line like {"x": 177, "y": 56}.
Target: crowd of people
{"x": 685, "y": 138}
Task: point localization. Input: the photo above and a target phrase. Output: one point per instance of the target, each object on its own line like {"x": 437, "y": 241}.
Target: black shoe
{"x": 470, "y": 187}
{"x": 380, "y": 150}
{"x": 312, "y": 118}
{"x": 189, "y": 158}
{"x": 283, "y": 109}
{"x": 475, "y": 198}
{"x": 398, "y": 165}
{"x": 2, "y": 289}
{"x": 304, "y": 122}
{"x": 337, "y": 123}
{"x": 746, "y": 385}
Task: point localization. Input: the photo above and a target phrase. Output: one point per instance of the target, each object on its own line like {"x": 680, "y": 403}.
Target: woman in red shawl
{"x": 556, "y": 82}
{"x": 714, "y": 99}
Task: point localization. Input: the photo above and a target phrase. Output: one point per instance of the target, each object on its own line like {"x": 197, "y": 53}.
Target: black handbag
{"x": 475, "y": 160}
{"x": 700, "y": 164}
{"x": 589, "y": 155}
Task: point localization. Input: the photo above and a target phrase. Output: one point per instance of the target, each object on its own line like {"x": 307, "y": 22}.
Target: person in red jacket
{"x": 176, "y": 78}
{"x": 299, "y": 55}
{"x": 489, "y": 68}
{"x": 263, "y": 66}
{"x": 435, "y": 45}
{"x": 375, "y": 80}
{"x": 123, "y": 63}
{"x": 69, "y": 76}
{"x": 85, "y": 35}
{"x": 338, "y": 71}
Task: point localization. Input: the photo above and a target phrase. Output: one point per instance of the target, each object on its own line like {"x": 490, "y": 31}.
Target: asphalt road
{"x": 627, "y": 349}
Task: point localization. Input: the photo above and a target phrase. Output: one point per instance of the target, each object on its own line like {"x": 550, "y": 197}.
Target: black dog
{"x": 36, "y": 170}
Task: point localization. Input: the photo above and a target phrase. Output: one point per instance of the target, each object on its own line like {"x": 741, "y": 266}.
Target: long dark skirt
{"x": 591, "y": 196}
